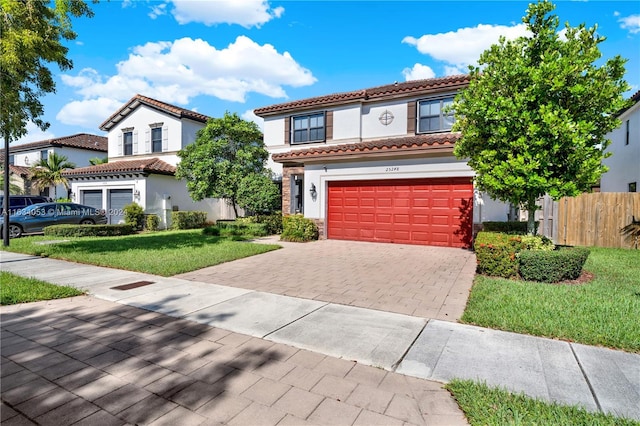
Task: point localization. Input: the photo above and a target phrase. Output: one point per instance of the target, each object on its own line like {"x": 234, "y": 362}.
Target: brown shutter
{"x": 329, "y": 125}
{"x": 411, "y": 117}
{"x": 287, "y": 130}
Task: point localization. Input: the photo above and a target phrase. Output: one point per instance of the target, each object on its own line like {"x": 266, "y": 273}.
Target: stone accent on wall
{"x": 287, "y": 172}
{"x": 320, "y": 224}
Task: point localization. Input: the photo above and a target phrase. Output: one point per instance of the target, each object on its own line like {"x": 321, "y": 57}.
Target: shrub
{"x": 152, "y": 222}
{"x": 272, "y": 222}
{"x": 510, "y": 227}
{"x": 565, "y": 263}
{"x": 134, "y": 216}
{"x": 211, "y": 230}
{"x": 497, "y": 253}
{"x": 87, "y": 230}
{"x": 188, "y": 220}
{"x": 537, "y": 242}
{"x": 298, "y": 228}
{"x": 241, "y": 227}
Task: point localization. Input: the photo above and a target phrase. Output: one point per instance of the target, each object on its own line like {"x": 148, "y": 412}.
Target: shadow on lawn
{"x": 140, "y": 358}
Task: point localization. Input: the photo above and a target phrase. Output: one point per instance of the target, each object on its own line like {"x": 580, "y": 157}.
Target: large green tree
{"x": 32, "y": 37}
{"x": 536, "y": 113}
{"x": 48, "y": 172}
{"x": 225, "y": 151}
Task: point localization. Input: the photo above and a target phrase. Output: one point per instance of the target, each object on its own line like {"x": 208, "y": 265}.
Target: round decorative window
{"x": 386, "y": 117}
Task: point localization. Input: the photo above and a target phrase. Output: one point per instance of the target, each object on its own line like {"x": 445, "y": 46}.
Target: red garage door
{"x": 406, "y": 211}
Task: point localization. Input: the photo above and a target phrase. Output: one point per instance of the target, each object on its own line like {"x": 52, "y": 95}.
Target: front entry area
{"x": 435, "y": 212}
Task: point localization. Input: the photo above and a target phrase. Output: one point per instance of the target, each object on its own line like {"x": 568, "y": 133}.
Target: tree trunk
{"x": 531, "y": 217}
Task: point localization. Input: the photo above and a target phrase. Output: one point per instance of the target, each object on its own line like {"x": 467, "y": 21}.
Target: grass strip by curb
{"x": 16, "y": 289}
{"x": 484, "y": 405}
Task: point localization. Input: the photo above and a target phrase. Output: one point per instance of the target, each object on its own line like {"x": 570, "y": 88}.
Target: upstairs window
{"x": 432, "y": 117}
{"x": 633, "y": 187}
{"x": 127, "y": 139}
{"x": 12, "y": 160}
{"x": 156, "y": 139}
{"x": 44, "y": 155}
{"x": 626, "y": 140}
{"x": 308, "y": 128}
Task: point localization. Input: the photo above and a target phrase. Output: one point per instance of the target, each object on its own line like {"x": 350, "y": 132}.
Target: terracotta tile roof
{"x": 138, "y": 100}
{"x": 146, "y": 165}
{"x": 391, "y": 146}
{"x": 21, "y": 171}
{"x": 80, "y": 141}
{"x": 416, "y": 87}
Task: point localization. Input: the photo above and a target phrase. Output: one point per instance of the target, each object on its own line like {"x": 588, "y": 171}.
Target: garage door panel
{"x": 410, "y": 211}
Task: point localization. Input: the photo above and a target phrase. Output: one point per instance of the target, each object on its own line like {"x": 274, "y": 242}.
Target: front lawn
{"x": 492, "y": 406}
{"x": 603, "y": 312}
{"x": 164, "y": 253}
{"x": 17, "y": 289}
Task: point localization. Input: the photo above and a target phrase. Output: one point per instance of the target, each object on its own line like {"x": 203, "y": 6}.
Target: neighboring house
{"x": 78, "y": 149}
{"x": 624, "y": 163}
{"x": 378, "y": 165}
{"x": 144, "y": 138}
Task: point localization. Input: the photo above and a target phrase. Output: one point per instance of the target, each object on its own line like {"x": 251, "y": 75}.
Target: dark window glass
{"x": 432, "y": 116}
{"x": 44, "y": 155}
{"x": 627, "y": 135}
{"x": 156, "y": 139}
{"x": 127, "y": 139}
{"x": 633, "y": 187}
{"x": 12, "y": 160}
{"x": 308, "y": 128}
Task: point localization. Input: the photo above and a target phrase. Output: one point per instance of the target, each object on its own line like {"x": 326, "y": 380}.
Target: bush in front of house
{"x": 564, "y": 263}
{"x": 298, "y": 228}
{"x": 213, "y": 231}
{"x": 134, "y": 216}
{"x": 188, "y": 220}
{"x": 87, "y": 230}
{"x": 242, "y": 227}
{"x": 497, "y": 253}
{"x": 151, "y": 222}
{"x": 508, "y": 227}
{"x": 272, "y": 222}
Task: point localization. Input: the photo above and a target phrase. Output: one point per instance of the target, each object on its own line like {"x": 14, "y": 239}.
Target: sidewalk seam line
{"x": 584, "y": 374}
{"x": 396, "y": 364}
{"x": 297, "y": 319}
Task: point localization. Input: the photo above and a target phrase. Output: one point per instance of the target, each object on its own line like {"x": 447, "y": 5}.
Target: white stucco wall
{"x": 373, "y": 128}
{"x": 140, "y": 120}
{"x": 346, "y": 123}
{"x": 624, "y": 163}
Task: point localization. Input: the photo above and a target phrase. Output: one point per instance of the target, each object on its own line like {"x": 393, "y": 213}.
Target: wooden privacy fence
{"x": 593, "y": 219}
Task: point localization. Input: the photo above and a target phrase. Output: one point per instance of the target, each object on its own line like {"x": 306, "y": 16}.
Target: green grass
{"x": 603, "y": 312}
{"x": 15, "y": 289}
{"x": 492, "y": 406}
{"x": 164, "y": 253}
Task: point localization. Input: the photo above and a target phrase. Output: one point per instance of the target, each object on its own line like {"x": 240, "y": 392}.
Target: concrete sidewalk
{"x": 596, "y": 378}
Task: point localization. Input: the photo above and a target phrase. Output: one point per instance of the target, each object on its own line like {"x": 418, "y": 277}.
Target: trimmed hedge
{"x": 298, "y": 228}
{"x": 564, "y": 263}
{"x": 151, "y": 222}
{"x": 134, "y": 216}
{"x": 241, "y": 227}
{"x": 497, "y": 254}
{"x": 188, "y": 220}
{"x": 87, "y": 230}
{"x": 510, "y": 227}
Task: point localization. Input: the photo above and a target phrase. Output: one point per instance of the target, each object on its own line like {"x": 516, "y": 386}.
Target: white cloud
{"x": 250, "y": 116}
{"x": 631, "y": 23}
{"x": 34, "y": 134}
{"x": 177, "y": 71}
{"x": 158, "y": 10}
{"x": 463, "y": 46}
{"x": 88, "y": 113}
{"x": 247, "y": 13}
{"x": 418, "y": 72}
{"x": 453, "y": 70}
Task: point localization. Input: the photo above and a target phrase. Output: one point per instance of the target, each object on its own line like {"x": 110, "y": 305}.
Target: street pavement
{"x": 394, "y": 345}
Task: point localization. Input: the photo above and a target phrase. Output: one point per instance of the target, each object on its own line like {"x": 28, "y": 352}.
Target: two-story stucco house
{"x": 78, "y": 149}
{"x": 378, "y": 165}
{"x": 624, "y": 162}
{"x": 144, "y": 138}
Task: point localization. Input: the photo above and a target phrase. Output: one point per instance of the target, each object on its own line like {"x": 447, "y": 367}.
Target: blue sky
{"x": 217, "y": 56}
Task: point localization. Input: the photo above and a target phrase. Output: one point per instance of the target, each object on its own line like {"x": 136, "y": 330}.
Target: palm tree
{"x": 46, "y": 173}
{"x": 13, "y": 188}
{"x": 97, "y": 160}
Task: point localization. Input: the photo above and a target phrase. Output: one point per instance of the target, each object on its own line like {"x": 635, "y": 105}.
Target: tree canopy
{"x": 536, "y": 113}
{"x": 225, "y": 151}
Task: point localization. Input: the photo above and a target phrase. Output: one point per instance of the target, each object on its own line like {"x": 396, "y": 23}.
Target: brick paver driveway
{"x": 430, "y": 282}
